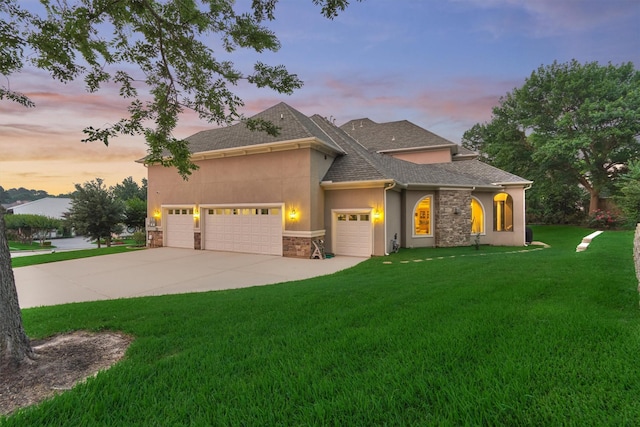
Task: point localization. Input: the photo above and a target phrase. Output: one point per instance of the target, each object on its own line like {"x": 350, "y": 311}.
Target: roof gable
{"x": 292, "y": 125}
{"x": 391, "y": 136}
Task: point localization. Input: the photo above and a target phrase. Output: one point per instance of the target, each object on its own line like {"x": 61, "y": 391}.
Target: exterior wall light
{"x": 156, "y": 214}
{"x": 293, "y": 214}
{"x": 377, "y": 215}
{"x": 196, "y": 217}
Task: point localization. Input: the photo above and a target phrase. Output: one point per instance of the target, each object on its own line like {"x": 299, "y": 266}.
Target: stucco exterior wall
{"x": 288, "y": 178}
{"x": 280, "y": 177}
{"x": 357, "y": 199}
{"x": 486, "y": 201}
{"x": 636, "y": 253}
{"x": 393, "y": 218}
{"x": 409, "y": 238}
{"x": 426, "y": 157}
{"x": 320, "y": 164}
{"x": 505, "y": 238}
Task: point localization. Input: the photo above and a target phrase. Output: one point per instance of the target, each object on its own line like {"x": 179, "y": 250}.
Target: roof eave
{"x": 350, "y": 185}
{"x": 415, "y": 149}
{"x": 271, "y": 147}
{"x": 293, "y": 144}
{"x": 430, "y": 186}
{"x": 513, "y": 183}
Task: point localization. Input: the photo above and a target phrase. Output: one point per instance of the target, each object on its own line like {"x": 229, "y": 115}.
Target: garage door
{"x": 251, "y": 230}
{"x": 179, "y": 228}
{"x": 353, "y": 234}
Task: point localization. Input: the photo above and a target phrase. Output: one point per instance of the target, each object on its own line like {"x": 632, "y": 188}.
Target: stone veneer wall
{"x": 451, "y": 228}
{"x": 297, "y": 247}
{"x": 156, "y": 241}
{"x": 636, "y": 253}
{"x": 197, "y": 240}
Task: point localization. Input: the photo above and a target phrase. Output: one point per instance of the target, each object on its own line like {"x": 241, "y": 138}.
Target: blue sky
{"x": 442, "y": 64}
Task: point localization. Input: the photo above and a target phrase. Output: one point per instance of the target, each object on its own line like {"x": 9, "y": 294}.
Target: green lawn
{"x": 19, "y": 246}
{"x": 25, "y": 261}
{"x": 543, "y": 337}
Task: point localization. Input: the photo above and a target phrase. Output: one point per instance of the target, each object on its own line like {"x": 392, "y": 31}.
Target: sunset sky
{"x": 442, "y": 64}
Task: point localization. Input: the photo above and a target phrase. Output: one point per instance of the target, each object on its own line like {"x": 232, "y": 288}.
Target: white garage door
{"x": 179, "y": 228}
{"x": 255, "y": 230}
{"x": 353, "y": 234}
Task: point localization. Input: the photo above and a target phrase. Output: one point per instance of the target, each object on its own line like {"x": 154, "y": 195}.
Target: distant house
{"x": 354, "y": 187}
{"x": 48, "y": 206}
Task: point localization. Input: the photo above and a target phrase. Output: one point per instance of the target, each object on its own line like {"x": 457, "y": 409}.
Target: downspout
{"x": 524, "y": 211}
{"x": 386, "y": 241}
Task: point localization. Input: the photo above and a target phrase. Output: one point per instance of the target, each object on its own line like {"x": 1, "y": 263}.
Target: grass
{"x": 44, "y": 258}
{"x": 19, "y": 246}
{"x": 547, "y": 337}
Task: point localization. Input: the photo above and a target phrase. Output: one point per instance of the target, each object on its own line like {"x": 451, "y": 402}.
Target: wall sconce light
{"x": 156, "y": 213}
{"x": 196, "y": 214}
{"x": 293, "y": 214}
{"x": 376, "y": 215}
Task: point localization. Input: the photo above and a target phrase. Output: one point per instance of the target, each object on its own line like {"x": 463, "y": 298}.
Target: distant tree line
{"x": 22, "y": 194}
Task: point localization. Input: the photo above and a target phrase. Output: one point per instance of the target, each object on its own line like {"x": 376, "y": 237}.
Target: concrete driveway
{"x": 161, "y": 271}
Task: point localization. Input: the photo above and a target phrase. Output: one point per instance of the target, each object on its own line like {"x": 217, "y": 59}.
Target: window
{"x": 503, "y": 212}
{"x": 477, "y": 217}
{"x": 422, "y": 217}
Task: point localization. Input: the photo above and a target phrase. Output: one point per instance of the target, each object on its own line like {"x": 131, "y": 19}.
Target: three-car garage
{"x": 257, "y": 229}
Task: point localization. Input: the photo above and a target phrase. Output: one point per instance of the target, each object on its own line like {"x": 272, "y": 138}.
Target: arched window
{"x": 422, "y": 217}
{"x": 477, "y": 217}
{"x": 503, "y": 212}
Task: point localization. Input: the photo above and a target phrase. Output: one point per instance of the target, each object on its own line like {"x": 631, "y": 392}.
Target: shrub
{"x": 139, "y": 238}
{"x": 605, "y": 219}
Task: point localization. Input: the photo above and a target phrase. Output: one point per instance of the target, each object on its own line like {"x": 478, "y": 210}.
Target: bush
{"x": 139, "y": 238}
{"x": 606, "y": 220}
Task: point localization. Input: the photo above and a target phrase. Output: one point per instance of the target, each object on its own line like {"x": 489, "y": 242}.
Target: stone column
{"x": 453, "y": 218}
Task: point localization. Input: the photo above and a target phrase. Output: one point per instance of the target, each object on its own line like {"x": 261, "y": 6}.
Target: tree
{"x": 135, "y": 213}
{"x": 95, "y": 212}
{"x": 167, "y": 41}
{"x": 628, "y": 197}
{"x": 28, "y": 226}
{"x": 14, "y": 343}
{"x": 130, "y": 189}
{"x": 166, "y": 44}
{"x": 578, "y": 123}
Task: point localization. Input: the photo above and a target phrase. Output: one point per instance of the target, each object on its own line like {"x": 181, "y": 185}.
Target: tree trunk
{"x": 14, "y": 343}
{"x": 594, "y": 203}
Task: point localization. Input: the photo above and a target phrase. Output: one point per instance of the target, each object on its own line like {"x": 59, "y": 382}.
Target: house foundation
{"x": 297, "y": 247}
{"x": 154, "y": 239}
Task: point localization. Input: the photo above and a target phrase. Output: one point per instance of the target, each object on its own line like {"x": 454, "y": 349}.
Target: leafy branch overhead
{"x": 160, "y": 54}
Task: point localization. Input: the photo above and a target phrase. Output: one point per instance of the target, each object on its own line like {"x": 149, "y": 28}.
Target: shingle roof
{"x": 462, "y": 173}
{"x": 291, "y": 123}
{"x": 392, "y": 135}
{"x": 357, "y": 148}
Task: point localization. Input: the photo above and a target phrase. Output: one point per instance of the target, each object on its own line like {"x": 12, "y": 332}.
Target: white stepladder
{"x": 318, "y": 249}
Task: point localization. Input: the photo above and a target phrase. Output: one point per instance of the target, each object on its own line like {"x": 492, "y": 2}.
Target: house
{"x": 354, "y": 187}
{"x": 51, "y": 207}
